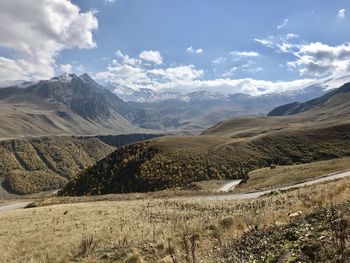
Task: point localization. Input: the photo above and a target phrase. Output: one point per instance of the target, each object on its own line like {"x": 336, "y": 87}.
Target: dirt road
{"x": 242, "y": 196}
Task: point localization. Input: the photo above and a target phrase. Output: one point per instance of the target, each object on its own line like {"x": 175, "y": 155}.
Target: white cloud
{"x": 283, "y": 24}
{"x": 125, "y": 76}
{"x": 281, "y": 43}
{"x": 80, "y": 69}
{"x": 265, "y": 42}
{"x": 341, "y": 13}
{"x": 244, "y": 54}
{"x": 255, "y": 70}
{"x": 249, "y": 67}
{"x": 318, "y": 59}
{"x": 231, "y": 72}
{"x": 107, "y": 2}
{"x": 151, "y": 56}
{"x": 192, "y": 50}
{"x": 188, "y": 78}
{"x": 314, "y": 59}
{"x": 12, "y": 70}
{"x": 126, "y": 59}
{"x": 38, "y": 30}
{"x": 137, "y": 76}
{"x": 188, "y": 72}
{"x": 247, "y": 85}
{"x": 66, "y": 68}
{"x": 292, "y": 35}
{"x": 219, "y": 60}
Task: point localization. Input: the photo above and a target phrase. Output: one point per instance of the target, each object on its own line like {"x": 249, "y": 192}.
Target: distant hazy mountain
{"x": 195, "y": 111}
{"x": 301, "y": 93}
{"x": 147, "y": 95}
{"x": 67, "y": 104}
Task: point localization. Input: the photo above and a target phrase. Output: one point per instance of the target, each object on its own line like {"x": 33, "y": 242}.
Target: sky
{"x": 242, "y": 46}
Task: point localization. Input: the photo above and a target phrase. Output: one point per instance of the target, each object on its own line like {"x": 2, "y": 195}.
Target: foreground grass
{"x": 152, "y": 229}
{"x": 320, "y": 236}
{"x": 267, "y": 178}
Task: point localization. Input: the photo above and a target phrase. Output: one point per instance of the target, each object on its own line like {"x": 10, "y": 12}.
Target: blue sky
{"x": 198, "y": 43}
{"x": 217, "y": 27}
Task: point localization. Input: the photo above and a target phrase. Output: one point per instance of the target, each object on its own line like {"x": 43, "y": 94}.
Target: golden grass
{"x": 267, "y": 178}
{"x": 113, "y": 231}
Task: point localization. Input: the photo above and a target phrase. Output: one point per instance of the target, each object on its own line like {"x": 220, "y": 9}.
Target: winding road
{"x": 225, "y": 187}
{"x": 14, "y": 206}
{"x": 229, "y": 186}
{"x": 242, "y": 196}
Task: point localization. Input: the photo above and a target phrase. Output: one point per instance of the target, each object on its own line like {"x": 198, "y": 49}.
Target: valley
{"x": 89, "y": 187}
{"x": 34, "y": 165}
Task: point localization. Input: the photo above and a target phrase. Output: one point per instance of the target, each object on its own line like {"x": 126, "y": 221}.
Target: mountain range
{"x": 198, "y": 110}
{"x": 302, "y": 93}
{"x": 78, "y": 105}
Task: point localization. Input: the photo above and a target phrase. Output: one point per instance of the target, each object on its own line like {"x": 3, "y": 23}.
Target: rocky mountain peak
{"x": 66, "y": 77}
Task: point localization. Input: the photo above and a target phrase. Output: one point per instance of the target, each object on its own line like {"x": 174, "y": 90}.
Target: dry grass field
{"x": 149, "y": 230}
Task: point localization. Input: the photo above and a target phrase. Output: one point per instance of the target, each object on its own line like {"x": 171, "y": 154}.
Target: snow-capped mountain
{"x": 149, "y": 96}
{"x": 65, "y": 77}
{"x": 82, "y": 97}
{"x": 303, "y": 92}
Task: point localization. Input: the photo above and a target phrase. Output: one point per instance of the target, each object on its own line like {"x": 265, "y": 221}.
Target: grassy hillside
{"x": 330, "y": 101}
{"x": 228, "y": 150}
{"x": 38, "y": 164}
{"x": 39, "y": 118}
{"x": 177, "y": 161}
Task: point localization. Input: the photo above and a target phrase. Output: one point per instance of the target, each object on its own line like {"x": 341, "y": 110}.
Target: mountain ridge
{"x": 64, "y": 105}
{"x": 78, "y": 105}
{"x": 314, "y": 104}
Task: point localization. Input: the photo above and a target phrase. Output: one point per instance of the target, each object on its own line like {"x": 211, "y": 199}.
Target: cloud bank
{"x": 125, "y": 73}
{"x": 313, "y": 59}
{"x": 37, "y": 30}
{"x": 151, "y": 56}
